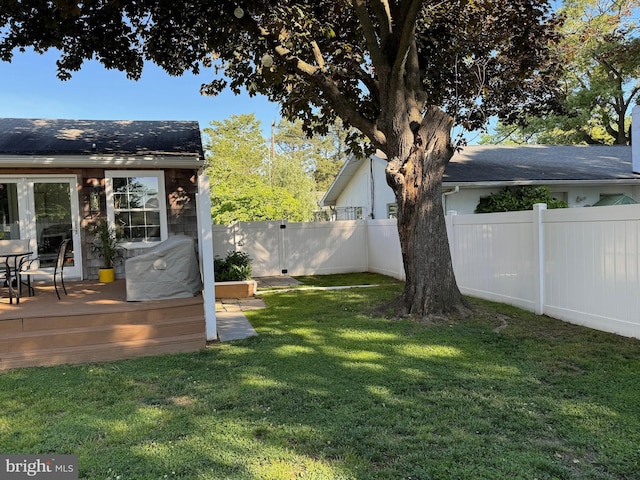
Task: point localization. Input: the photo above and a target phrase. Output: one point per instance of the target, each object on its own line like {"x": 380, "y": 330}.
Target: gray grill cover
{"x": 168, "y": 270}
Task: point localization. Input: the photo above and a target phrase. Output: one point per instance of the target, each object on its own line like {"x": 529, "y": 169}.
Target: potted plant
{"x": 233, "y": 276}
{"x": 106, "y": 244}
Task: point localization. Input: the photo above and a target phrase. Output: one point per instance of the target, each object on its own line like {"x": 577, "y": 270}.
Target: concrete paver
{"x": 276, "y": 282}
{"x": 231, "y": 322}
{"x": 233, "y": 326}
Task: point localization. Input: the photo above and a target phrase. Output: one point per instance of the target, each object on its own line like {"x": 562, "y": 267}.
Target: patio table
{"x": 13, "y": 262}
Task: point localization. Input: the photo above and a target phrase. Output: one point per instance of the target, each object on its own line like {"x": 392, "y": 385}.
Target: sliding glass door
{"x": 44, "y": 210}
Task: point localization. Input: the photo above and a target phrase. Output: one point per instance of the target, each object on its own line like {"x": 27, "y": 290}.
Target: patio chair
{"x": 58, "y": 270}
{"x": 12, "y": 253}
{"x": 5, "y": 279}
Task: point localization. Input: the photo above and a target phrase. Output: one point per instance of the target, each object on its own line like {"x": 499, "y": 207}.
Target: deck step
{"x": 132, "y": 317}
{"x": 10, "y": 326}
{"x": 102, "y": 342}
{"x": 104, "y": 352}
{"x": 110, "y": 334}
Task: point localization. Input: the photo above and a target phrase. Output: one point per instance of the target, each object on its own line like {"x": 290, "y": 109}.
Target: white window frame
{"x": 159, "y": 175}
{"x": 392, "y": 210}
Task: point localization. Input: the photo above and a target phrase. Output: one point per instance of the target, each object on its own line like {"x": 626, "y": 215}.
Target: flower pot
{"x": 106, "y": 275}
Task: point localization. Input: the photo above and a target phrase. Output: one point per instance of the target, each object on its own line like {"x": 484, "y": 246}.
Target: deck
{"x": 95, "y": 323}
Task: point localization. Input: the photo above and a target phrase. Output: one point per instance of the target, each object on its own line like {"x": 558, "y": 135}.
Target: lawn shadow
{"x": 327, "y": 391}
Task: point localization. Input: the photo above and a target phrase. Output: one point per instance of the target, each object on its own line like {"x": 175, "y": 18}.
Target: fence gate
{"x": 264, "y": 242}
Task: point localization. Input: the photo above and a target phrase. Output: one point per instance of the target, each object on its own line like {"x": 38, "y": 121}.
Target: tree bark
{"x": 416, "y": 178}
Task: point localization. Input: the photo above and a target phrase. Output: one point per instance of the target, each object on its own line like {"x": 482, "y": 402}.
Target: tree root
{"x": 396, "y": 310}
{"x": 503, "y": 323}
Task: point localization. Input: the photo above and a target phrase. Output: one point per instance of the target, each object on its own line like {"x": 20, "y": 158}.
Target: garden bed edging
{"x": 238, "y": 289}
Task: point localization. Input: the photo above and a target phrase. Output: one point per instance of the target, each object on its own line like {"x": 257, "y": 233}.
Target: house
{"x": 57, "y": 176}
{"x": 580, "y": 175}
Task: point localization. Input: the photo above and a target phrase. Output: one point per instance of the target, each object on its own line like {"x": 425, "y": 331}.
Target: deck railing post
{"x": 205, "y": 247}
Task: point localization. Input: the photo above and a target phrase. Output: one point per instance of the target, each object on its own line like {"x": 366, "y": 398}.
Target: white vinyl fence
{"x": 278, "y": 248}
{"x": 581, "y": 265}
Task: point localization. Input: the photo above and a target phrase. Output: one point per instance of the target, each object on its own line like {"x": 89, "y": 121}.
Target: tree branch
{"x": 408, "y": 12}
{"x": 382, "y": 12}
{"x": 317, "y": 54}
{"x": 322, "y": 80}
{"x": 632, "y": 94}
{"x": 377, "y": 56}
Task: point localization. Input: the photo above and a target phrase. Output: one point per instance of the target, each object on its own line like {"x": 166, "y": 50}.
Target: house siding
{"x": 180, "y": 189}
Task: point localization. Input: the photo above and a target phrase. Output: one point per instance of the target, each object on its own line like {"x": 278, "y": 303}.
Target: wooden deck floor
{"x": 94, "y": 322}
{"x": 84, "y": 297}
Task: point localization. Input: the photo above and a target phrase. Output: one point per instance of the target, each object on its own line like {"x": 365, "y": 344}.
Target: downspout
{"x": 455, "y": 190}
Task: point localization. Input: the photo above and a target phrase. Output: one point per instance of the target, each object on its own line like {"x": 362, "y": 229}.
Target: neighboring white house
{"x": 580, "y": 175}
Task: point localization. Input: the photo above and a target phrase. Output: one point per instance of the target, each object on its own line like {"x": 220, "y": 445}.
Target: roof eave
{"x": 344, "y": 176}
{"x": 509, "y": 183}
{"x": 105, "y": 161}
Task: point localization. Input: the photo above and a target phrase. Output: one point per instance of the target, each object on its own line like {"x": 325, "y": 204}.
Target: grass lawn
{"x": 326, "y": 391}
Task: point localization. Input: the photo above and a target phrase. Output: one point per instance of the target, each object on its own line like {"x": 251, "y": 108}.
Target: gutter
{"x": 102, "y": 161}
{"x": 455, "y": 190}
{"x": 510, "y": 183}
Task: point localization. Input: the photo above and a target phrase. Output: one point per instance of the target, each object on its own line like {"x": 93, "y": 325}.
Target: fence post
{"x": 452, "y": 235}
{"x": 538, "y": 255}
{"x": 283, "y": 251}
{"x": 365, "y": 228}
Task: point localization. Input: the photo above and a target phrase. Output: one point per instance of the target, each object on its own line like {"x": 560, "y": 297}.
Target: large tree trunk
{"x": 416, "y": 178}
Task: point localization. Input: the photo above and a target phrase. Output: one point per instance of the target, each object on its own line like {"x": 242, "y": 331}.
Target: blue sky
{"x": 29, "y": 88}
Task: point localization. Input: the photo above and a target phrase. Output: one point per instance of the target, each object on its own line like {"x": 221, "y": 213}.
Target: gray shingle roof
{"x": 20, "y": 136}
{"x": 528, "y": 163}
{"x": 495, "y": 163}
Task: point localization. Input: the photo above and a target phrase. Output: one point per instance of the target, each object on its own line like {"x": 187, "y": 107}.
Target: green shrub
{"x": 511, "y": 199}
{"x": 236, "y": 266}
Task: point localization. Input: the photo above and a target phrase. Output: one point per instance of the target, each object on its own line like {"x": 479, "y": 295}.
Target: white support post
{"x": 538, "y": 255}
{"x": 635, "y": 139}
{"x": 205, "y": 246}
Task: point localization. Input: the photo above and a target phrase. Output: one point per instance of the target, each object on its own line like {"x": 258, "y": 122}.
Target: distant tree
{"x": 245, "y": 185}
{"x": 331, "y": 154}
{"x": 312, "y": 163}
{"x": 402, "y": 72}
{"x": 600, "y": 49}
{"x": 292, "y": 164}
{"x": 253, "y": 201}
{"x": 235, "y": 149}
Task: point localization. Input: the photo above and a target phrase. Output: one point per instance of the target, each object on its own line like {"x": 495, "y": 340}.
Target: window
{"x": 135, "y": 203}
{"x": 392, "y": 210}
{"x": 9, "y": 220}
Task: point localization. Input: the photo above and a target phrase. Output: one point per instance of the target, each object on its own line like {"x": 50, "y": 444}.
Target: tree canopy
{"x": 320, "y": 60}
{"x": 241, "y": 176}
{"x": 401, "y": 72}
{"x": 600, "y": 48}
{"x": 323, "y": 155}
{"x": 253, "y": 181}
